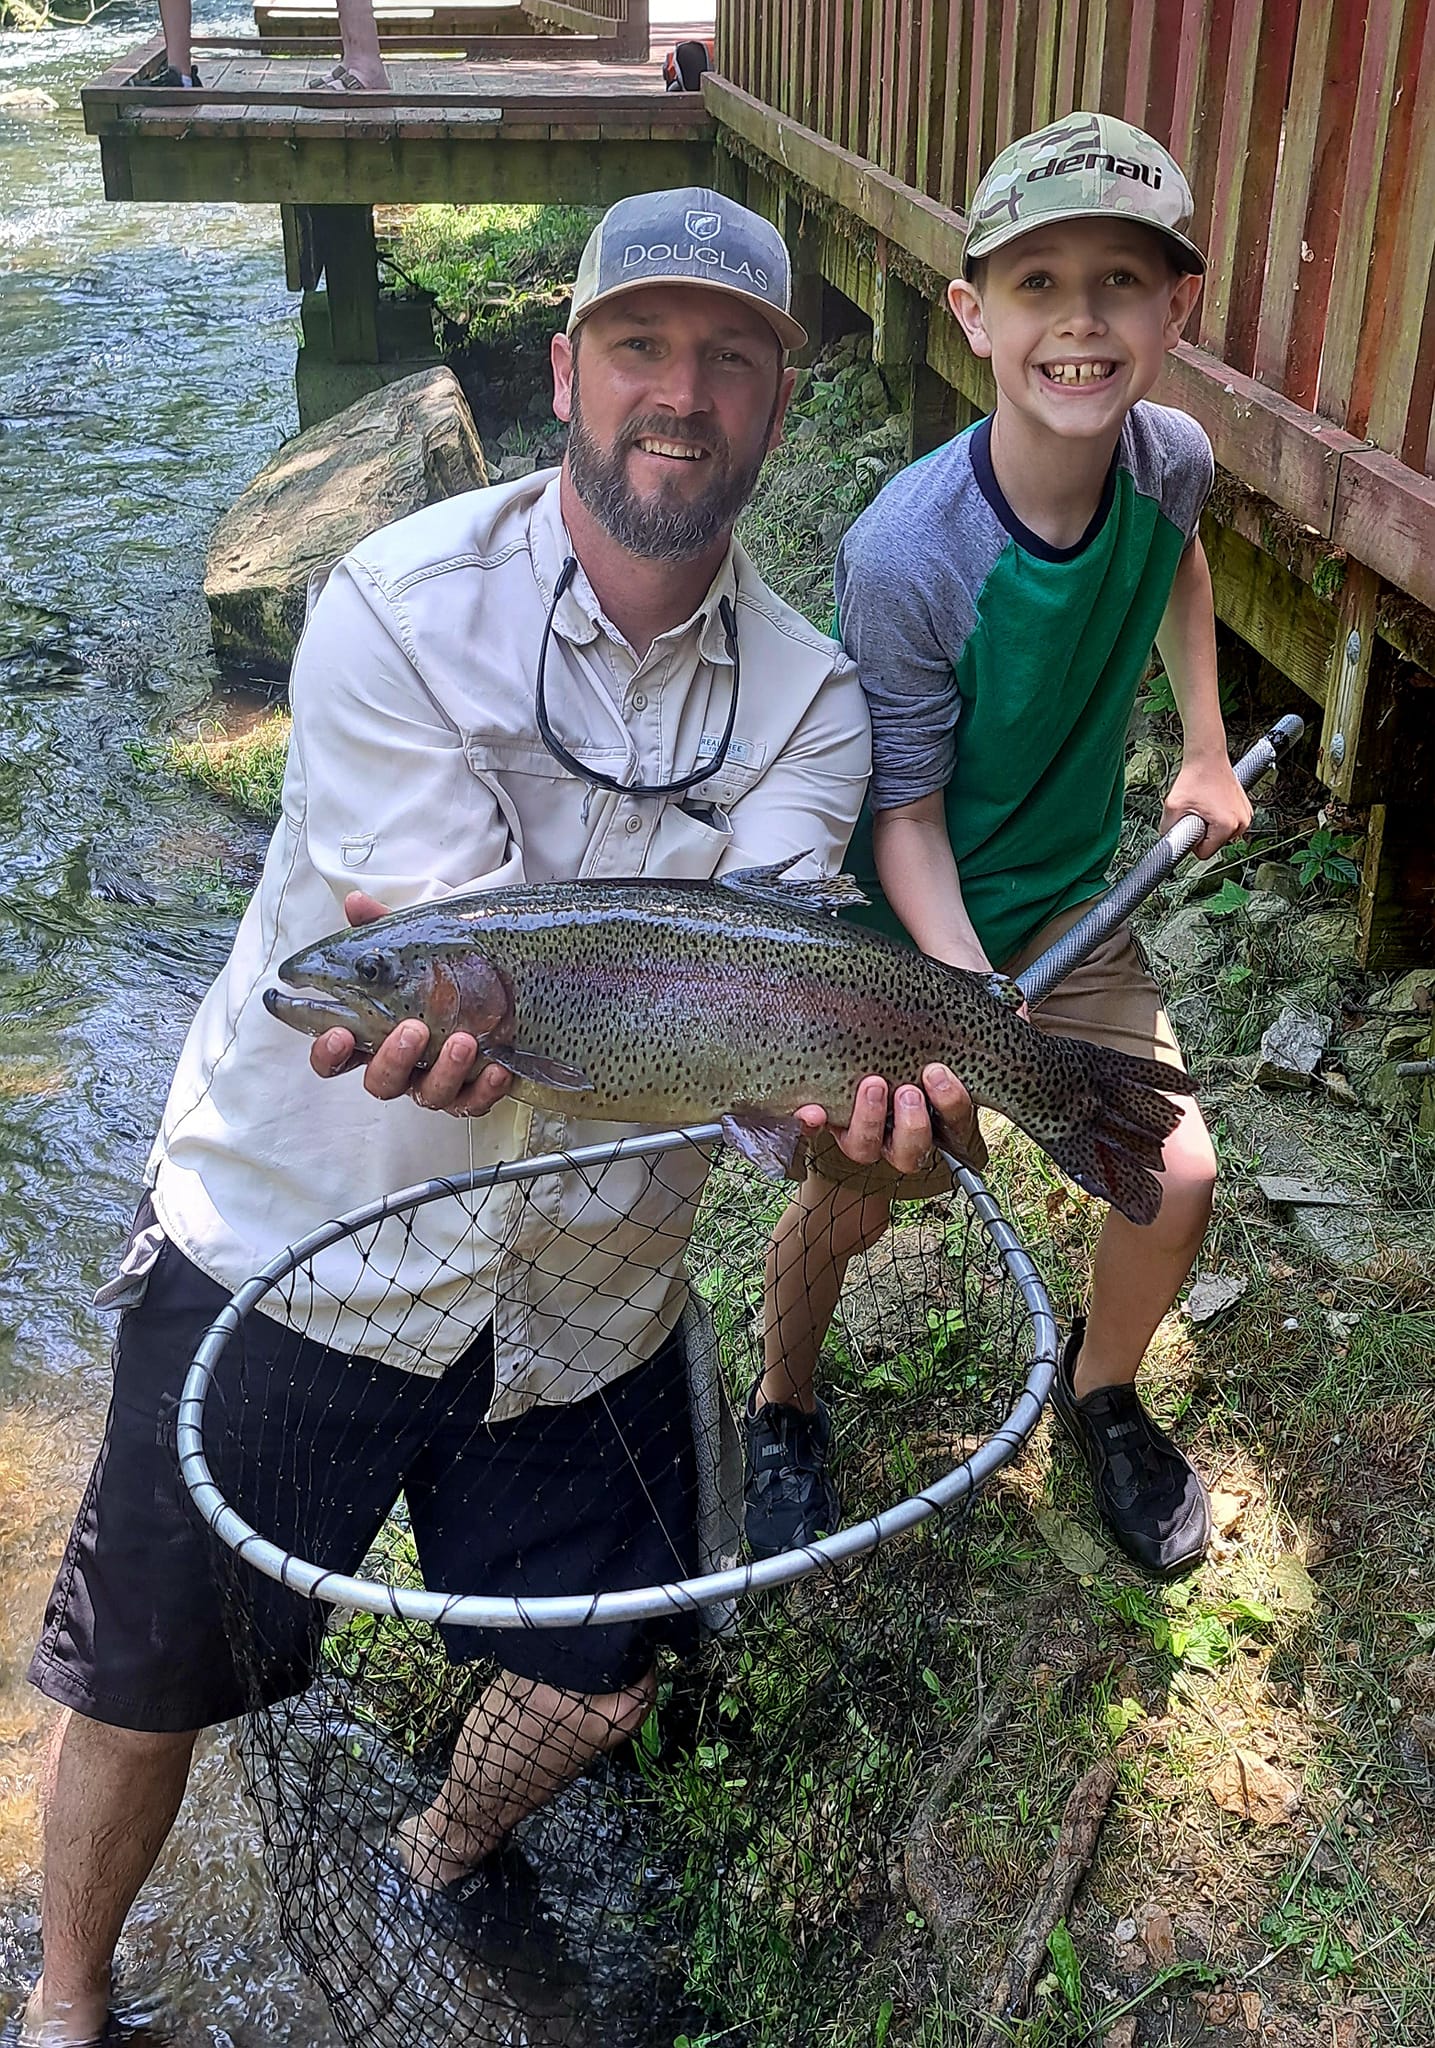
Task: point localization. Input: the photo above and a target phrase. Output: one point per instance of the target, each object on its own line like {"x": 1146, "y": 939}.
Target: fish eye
{"x": 370, "y": 967}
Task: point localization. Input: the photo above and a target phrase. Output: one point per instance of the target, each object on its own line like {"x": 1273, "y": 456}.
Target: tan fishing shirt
{"x": 415, "y": 771}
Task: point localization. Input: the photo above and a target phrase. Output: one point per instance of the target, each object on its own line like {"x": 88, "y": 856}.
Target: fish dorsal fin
{"x": 826, "y": 894}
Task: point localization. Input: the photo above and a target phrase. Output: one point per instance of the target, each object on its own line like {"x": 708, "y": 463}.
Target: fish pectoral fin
{"x": 535, "y": 1066}
{"x": 827, "y": 893}
{"x": 776, "y": 1145}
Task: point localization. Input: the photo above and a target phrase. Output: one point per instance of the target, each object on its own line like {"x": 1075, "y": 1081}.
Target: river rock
{"x": 1413, "y": 994}
{"x": 1405, "y": 1041}
{"x": 1291, "y": 1049}
{"x": 1324, "y": 936}
{"x": 395, "y": 451}
{"x": 28, "y": 99}
{"x": 1186, "y": 942}
{"x": 1278, "y": 878}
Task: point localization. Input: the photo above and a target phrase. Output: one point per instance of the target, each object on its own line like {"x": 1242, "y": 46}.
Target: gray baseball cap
{"x": 1080, "y": 168}
{"x": 688, "y": 236}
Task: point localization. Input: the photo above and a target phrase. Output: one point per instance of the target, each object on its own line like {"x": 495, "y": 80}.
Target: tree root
{"x": 1081, "y": 1823}
{"x": 925, "y": 1863}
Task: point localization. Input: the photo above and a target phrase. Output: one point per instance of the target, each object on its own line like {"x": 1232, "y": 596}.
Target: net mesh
{"x": 680, "y": 1827}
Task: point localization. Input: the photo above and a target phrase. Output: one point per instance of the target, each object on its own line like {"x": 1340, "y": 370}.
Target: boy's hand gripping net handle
{"x": 1119, "y": 901}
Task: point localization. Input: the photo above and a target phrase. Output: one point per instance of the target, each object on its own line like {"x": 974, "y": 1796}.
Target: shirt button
{"x": 632, "y": 824}
{"x": 640, "y": 702}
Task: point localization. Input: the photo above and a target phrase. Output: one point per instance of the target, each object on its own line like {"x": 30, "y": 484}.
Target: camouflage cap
{"x": 1084, "y": 167}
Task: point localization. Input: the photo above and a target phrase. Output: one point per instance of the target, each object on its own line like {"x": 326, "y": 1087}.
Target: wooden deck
{"x": 457, "y": 127}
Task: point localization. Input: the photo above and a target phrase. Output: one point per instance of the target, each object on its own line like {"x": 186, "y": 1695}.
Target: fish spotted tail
{"x": 1112, "y": 1142}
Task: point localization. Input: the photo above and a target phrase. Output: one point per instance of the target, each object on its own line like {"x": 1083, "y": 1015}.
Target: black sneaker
{"x": 790, "y": 1501}
{"x": 168, "y": 79}
{"x": 1147, "y": 1493}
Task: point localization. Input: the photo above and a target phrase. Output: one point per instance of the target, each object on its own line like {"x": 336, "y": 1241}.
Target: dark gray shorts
{"x": 152, "y": 1624}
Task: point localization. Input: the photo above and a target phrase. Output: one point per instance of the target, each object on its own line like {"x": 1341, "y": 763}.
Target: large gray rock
{"x": 397, "y": 450}
{"x": 1291, "y": 1049}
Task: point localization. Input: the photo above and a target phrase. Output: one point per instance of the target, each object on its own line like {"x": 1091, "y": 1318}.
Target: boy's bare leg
{"x": 112, "y": 1795}
{"x": 519, "y": 1745}
{"x": 818, "y": 1235}
{"x": 359, "y": 39}
{"x": 174, "y": 19}
{"x": 1140, "y": 1268}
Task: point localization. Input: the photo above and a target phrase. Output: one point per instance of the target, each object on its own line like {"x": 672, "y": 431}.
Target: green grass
{"x": 481, "y": 264}
{"x": 246, "y": 769}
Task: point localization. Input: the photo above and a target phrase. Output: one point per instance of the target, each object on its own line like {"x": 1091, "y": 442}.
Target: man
{"x": 419, "y": 766}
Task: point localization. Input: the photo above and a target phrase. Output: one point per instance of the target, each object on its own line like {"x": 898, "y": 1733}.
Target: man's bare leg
{"x": 112, "y": 1795}
{"x": 521, "y": 1743}
{"x": 359, "y": 39}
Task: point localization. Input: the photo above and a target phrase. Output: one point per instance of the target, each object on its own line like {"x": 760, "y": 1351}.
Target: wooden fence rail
{"x": 625, "y": 20}
{"x": 1306, "y": 127}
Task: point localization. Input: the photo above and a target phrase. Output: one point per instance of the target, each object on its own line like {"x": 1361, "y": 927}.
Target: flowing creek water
{"x": 146, "y": 373}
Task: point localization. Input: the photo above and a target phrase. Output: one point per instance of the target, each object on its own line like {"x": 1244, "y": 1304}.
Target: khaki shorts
{"x": 1109, "y": 999}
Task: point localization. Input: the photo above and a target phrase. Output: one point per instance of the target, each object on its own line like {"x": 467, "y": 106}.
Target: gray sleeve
{"x": 1172, "y": 462}
{"x": 891, "y": 596}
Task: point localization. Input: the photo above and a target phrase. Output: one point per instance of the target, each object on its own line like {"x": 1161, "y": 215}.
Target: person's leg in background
{"x": 174, "y": 19}
{"x": 360, "y": 68}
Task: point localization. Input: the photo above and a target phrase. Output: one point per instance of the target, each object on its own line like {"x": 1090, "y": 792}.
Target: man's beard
{"x": 664, "y": 526}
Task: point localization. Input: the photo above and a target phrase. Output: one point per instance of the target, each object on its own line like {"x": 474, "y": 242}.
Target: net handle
{"x": 1110, "y": 910}
{"x": 641, "y": 1603}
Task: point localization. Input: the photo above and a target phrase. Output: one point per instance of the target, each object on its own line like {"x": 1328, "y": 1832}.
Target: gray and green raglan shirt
{"x": 1003, "y": 670}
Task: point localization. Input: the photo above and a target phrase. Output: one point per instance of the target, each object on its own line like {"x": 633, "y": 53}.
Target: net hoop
{"x": 642, "y": 1603}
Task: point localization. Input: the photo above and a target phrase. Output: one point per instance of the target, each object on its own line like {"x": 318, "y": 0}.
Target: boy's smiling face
{"x": 1075, "y": 319}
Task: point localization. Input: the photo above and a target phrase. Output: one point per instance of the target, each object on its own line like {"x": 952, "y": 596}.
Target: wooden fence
{"x": 1306, "y": 127}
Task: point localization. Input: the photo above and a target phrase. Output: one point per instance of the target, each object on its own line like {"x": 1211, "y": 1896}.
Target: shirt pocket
{"x": 685, "y": 847}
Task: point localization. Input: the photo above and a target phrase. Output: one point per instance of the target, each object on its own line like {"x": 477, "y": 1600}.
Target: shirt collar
{"x": 579, "y": 618}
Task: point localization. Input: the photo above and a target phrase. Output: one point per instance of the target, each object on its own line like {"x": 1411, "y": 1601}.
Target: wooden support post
{"x": 1345, "y": 719}
{"x": 900, "y": 318}
{"x": 804, "y": 245}
{"x": 934, "y": 412}
{"x": 729, "y": 173}
{"x": 303, "y": 264}
{"x": 1397, "y": 886}
{"x": 345, "y": 239}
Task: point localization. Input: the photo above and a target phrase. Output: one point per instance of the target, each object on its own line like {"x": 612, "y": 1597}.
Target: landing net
{"x": 445, "y": 1593}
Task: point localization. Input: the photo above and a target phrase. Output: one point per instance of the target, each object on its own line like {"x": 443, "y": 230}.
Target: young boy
{"x": 1001, "y": 598}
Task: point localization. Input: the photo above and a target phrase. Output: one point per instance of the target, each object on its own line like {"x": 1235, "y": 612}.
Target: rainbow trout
{"x": 674, "y": 1003}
